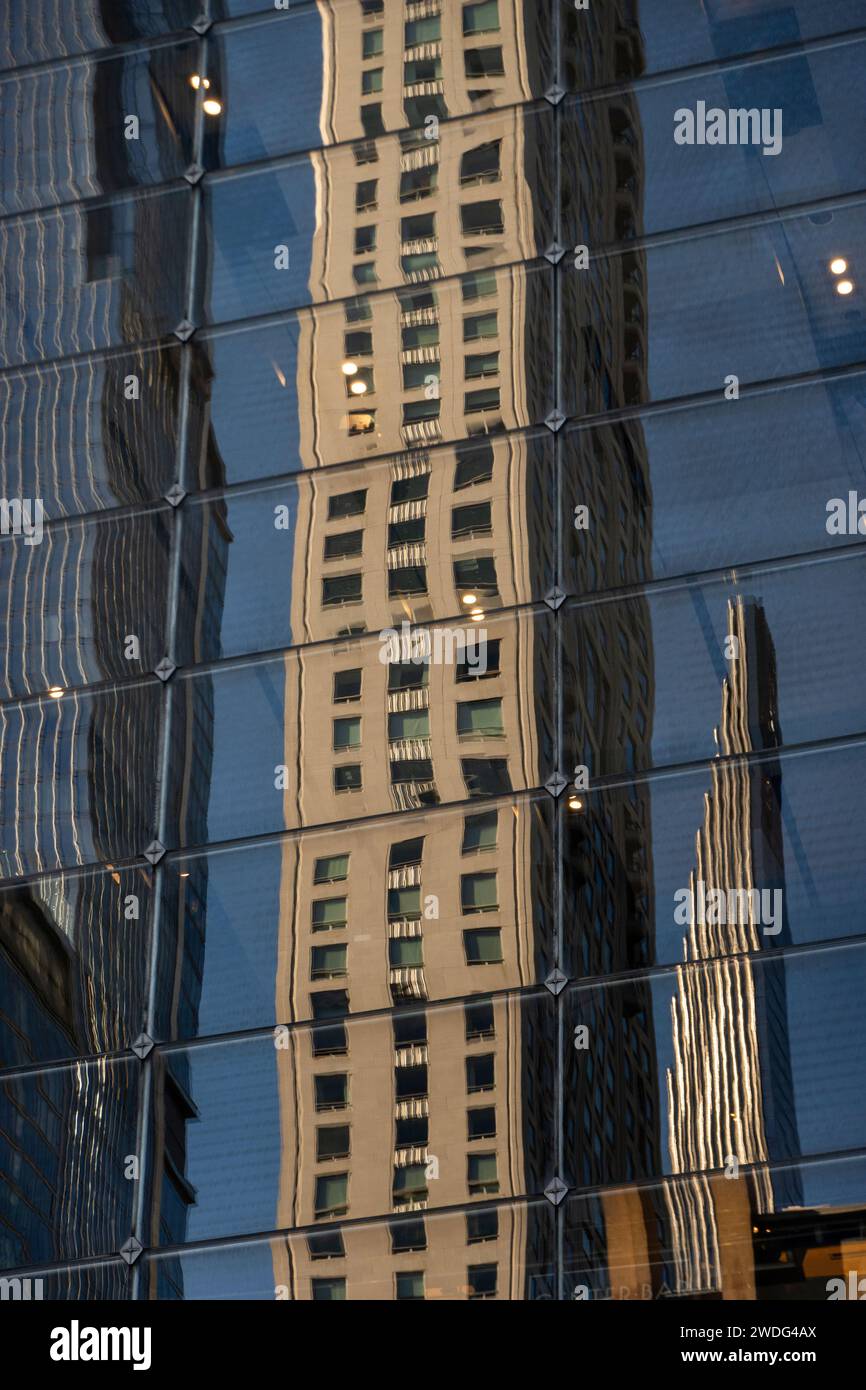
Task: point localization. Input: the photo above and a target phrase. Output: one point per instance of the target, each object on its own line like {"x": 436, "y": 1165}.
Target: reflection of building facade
{"x": 730, "y": 1092}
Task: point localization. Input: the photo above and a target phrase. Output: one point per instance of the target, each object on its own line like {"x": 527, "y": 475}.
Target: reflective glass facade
{"x": 432, "y": 587}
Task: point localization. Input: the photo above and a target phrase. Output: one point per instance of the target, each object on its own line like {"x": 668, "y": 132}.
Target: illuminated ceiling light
{"x": 184, "y": 875}
{"x": 56, "y": 692}
{"x": 349, "y": 368}
{"x": 358, "y": 388}
{"x": 196, "y": 81}
{"x": 469, "y": 599}
{"x": 212, "y": 106}
{"x": 575, "y": 803}
{"x": 477, "y": 614}
{"x": 839, "y": 265}
{"x": 844, "y": 286}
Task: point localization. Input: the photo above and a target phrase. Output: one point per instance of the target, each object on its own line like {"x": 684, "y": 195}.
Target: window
{"x": 481, "y": 284}
{"x": 477, "y": 402}
{"x": 329, "y": 913}
{"x": 419, "y": 262}
{"x": 332, "y": 1091}
{"x": 481, "y": 1123}
{"x": 480, "y": 364}
{"x": 479, "y": 832}
{"x": 481, "y": 164}
{"x": 417, "y": 109}
{"x": 365, "y": 195}
{"x": 409, "y": 1287}
{"x": 473, "y": 467}
{"x": 371, "y": 81}
{"x": 347, "y": 685}
{"x": 410, "y": 489}
{"x": 486, "y": 776}
{"x": 406, "y": 532}
{"x": 343, "y": 588}
{"x": 418, "y": 183}
{"x": 328, "y": 1290}
{"x": 331, "y": 869}
{"x": 483, "y": 946}
{"x": 369, "y": 7}
{"x": 347, "y": 733}
{"x": 480, "y": 719}
{"x": 482, "y": 219}
{"x": 480, "y": 1073}
{"x": 411, "y": 770}
{"x": 478, "y": 893}
{"x": 343, "y": 547}
{"x": 361, "y": 422}
{"x": 473, "y": 520}
{"x": 418, "y": 31}
{"x": 410, "y": 1083}
{"x": 481, "y": 1226}
{"x": 405, "y": 952}
{"x": 347, "y": 504}
{"x": 404, "y": 902}
{"x": 372, "y": 43}
{"x": 483, "y": 62}
{"x": 365, "y": 240}
{"x": 410, "y": 1184}
{"x": 421, "y": 335}
{"x": 364, "y": 273}
{"x": 485, "y": 663}
{"x": 410, "y": 1028}
{"x": 410, "y": 579}
{"x": 407, "y": 1235}
{"x": 419, "y": 227}
{"x": 328, "y": 962}
{"x": 348, "y": 778}
{"x": 407, "y": 676}
{"x": 332, "y": 1141}
{"x": 358, "y": 344}
{"x": 481, "y": 18}
{"x": 482, "y": 1281}
{"x": 416, "y": 411}
{"x": 328, "y": 1245}
{"x": 481, "y": 1173}
{"x": 415, "y": 374}
{"x": 422, "y": 70}
{"x": 409, "y": 724}
{"x": 331, "y": 1195}
{"x": 411, "y": 1132}
{"x": 329, "y": 1004}
{"x": 406, "y": 852}
{"x": 479, "y": 1020}
{"x": 476, "y": 573}
{"x": 477, "y": 326}
{"x": 358, "y": 310}
{"x": 371, "y": 119}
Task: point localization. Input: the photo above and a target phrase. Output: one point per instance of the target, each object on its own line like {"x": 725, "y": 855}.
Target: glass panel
{"x": 650, "y": 182}
{"x": 249, "y": 1156}
{"x": 762, "y": 304}
{"x": 785, "y": 826}
{"x": 519, "y": 1242}
{"x": 74, "y": 280}
{"x": 65, "y": 623}
{"x": 233, "y": 919}
{"x": 52, "y": 29}
{"x": 43, "y": 163}
{"x": 64, "y": 1136}
{"x": 251, "y": 713}
{"x": 720, "y": 1062}
{"x": 751, "y": 652}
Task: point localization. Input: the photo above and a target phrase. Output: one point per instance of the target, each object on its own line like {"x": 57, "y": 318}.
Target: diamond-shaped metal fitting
{"x": 184, "y": 330}
{"x": 554, "y": 94}
{"x": 556, "y": 784}
{"x": 555, "y": 597}
{"x": 175, "y": 495}
{"x": 143, "y": 1045}
{"x": 130, "y": 1250}
{"x": 554, "y": 253}
{"x": 154, "y": 851}
{"x": 556, "y": 981}
{"x": 194, "y": 174}
{"x": 555, "y": 420}
{"x": 202, "y": 24}
{"x": 555, "y": 1191}
{"x": 165, "y": 669}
